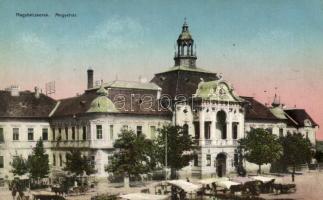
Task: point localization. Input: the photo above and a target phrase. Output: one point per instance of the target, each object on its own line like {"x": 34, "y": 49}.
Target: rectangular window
{"x": 111, "y": 132}
{"x": 92, "y": 162}
{"x": 66, "y": 132}
{"x": 60, "y": 160}
{"x": 235, "y": 130}
{"x": 139, "y": 130}
{"x": 98, "y": 131}
{"x": 281, "y": 132}
{"x": 235, "y": 160}
{"x": 30, "y": 134}
{"x": 45, "y": 134}
{"x": 197, "y": 130}
{"x": 153, "y": 132}
{"x": 208, "y": 160}
{"x": 2, "y": 182}
{"x": 269, "y": 130}
{"x": 207, "y": 130}
{"x": 84, "y": 132}
{"x": 1, "y": 162}
{"x": 15, "y": 133}
{"x": 1, "y": 136}
{"x": 54, "y": 160}
{"x": 73, "y": 133}
{"x": 54, "y": 136}
{"x": 59, "y": 133}
{"x": 196, "y": 160}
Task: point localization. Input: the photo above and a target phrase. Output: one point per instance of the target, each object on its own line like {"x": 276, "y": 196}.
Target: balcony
{"x": 216, "y": 142}
{"x": 71, "y": 143}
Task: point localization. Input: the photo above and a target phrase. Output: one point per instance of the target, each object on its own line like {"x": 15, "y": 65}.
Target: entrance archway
{"x": 221, "y": 160}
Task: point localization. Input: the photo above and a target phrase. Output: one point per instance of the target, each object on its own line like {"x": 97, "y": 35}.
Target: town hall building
{"x": 201, "y": 101}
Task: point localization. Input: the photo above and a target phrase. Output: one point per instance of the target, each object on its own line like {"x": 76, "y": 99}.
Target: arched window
{"x": 207, "y": 130}
{"x": 235, "y": 130}
{"x": 185, "y": 129}
{"x": 221, "y": 124}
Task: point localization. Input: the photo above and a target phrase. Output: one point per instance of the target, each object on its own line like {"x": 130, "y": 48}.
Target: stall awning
{"x": 143, "y": 196}
{"x": 184, "y": 185}
{"x": 262, "y": 178}
{"x": 212, "y": 180}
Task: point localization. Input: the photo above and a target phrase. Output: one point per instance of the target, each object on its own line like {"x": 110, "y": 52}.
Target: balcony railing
{"x": 216, "y": 142}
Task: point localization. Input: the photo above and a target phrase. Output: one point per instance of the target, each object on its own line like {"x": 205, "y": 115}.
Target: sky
{"x": 262, "y": 47}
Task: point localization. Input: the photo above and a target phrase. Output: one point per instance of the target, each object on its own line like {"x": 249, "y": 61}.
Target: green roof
{"x": 278, "y": 112}
{"x": 217, "y": 90}
{"x": 102, "y": 104}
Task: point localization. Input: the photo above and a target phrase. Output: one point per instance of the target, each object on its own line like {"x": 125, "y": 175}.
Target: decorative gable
{"x": 217, "y": 90}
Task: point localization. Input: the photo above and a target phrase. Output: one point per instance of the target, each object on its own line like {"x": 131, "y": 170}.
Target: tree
{"x": 38, "y": 162}
{"x": 19, "y": 165}
{"x": 78, "y": 164}
{"x": 179, "y": 147}
{"x": 318, "y": 156}
{"x": 133, "y": 155}
{"x": 260, "y": 147}
{"x": 296, "y": 150}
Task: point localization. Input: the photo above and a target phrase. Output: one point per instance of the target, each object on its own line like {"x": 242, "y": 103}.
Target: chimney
{"x": 37, "y": 92}
{"x": 89, "y": 78}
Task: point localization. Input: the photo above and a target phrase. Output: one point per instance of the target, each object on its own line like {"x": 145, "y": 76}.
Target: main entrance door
{"x": 221, "y": 159}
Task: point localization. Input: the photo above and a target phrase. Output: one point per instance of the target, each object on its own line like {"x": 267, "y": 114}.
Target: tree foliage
{"x": 296, "y": 150}
{"x": 318, "y": 156}
{"x": 38, "y": 162}
{"x": 78, "y": 164}
{"x": 134, "y": 155}
{"x": 261, "y": 147}
{"x": 19, "y": 165}
{"x": 180, "y": 148}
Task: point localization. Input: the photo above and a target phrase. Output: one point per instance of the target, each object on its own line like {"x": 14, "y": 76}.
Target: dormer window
{"x": 307, "y": 122}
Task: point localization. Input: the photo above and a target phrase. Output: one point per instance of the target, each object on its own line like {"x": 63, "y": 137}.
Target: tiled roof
{"x": 182, "y": 80}
{"x": 126, "y": 101}
{"x": 184, "y": 68}
{"x": 26, "y": 105}
{"x": 299, "y": 116}
{"x": 257, "y": 111}
{"x": 129, "y": 85}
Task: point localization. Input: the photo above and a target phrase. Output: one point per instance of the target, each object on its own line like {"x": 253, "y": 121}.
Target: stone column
{"x": 229, "y": 132}
{"x": 201, "y": 118}
{"x": 213, "y": 129}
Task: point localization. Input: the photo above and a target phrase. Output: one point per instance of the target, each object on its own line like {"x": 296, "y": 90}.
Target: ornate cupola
{"x": 185, "y": 54}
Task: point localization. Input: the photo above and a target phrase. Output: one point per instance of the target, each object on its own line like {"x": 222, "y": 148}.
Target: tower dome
{"x": 185, "y": 55}
{"x": 102, "y": 103}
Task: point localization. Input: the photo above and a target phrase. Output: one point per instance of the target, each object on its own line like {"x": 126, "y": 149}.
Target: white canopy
{"x": 184, "y": 185}
{"x": 262, "y": 178}
{"x": 143, "y": 196}
{"x": 212, "y": 180}
{"x": 227, "y": 184}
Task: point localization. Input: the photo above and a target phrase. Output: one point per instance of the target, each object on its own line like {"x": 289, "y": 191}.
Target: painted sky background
{"x": 256, "y": 45}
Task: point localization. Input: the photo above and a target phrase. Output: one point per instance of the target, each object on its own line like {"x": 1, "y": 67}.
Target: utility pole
{"x": 166, "y": 155}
